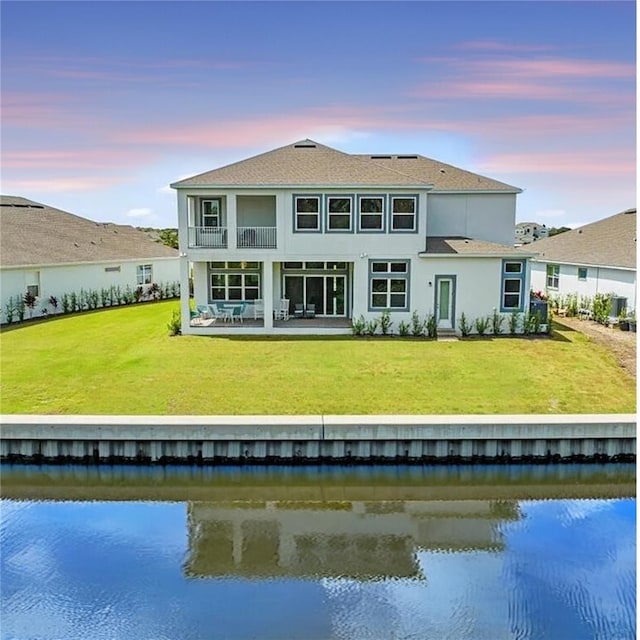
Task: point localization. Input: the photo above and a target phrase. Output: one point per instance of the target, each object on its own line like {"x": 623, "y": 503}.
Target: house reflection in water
{"x": 360, "y": 540}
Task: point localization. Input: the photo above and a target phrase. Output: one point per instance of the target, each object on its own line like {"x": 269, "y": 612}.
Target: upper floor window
{"x": 143, "y": 274}
{"x": 339, "y": 213}
{"x": 582, "y": 273}
{"x": 371, "y": 213}
{"x": 404, "y": 213}
{"x": 306, "y": 213}
{"x": 512, "y": 294}
{"x": 211, "y": 213}
{"x": 553, "y": 276}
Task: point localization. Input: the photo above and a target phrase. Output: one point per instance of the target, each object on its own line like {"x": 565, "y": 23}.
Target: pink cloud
{"x": 70, "y": 184}
{"x": 495, "y": 45}
{"x": 599, "y": 163}
{"x": 94, "y": 158}
{"x": 548, "y": 67}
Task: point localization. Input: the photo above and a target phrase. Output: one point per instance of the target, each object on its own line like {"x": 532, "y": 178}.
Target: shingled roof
{"x": 309, "y": 163}
{"x": 608, "y": 242}
{"x": 462, "y": 246}
{"x": 33, "y": 234}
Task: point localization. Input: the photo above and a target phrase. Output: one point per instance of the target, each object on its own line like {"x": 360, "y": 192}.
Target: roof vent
{"x": 304, "y": 145}
{"x": 442, "y": 171}
{"x": 380, "y": 157}
{"x": 630, "y": 211}
{"x": 407, "y": 157}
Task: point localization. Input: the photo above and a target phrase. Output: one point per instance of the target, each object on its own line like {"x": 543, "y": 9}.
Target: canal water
{"x": 444, "y": 553}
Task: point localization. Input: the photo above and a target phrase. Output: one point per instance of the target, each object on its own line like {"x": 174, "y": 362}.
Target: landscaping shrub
{"x": 482, "y": 324}
{"x": 372, "y": 327}
{"x": 404, "y": 328}
{"x": 358, "y": 326}
{"x": 432, "y": 326}
{"x": 514, "y": 322}
{"x": 465, "y": 325}
{"x": 385, "y": 322}
{"x": 497, "y": 320}
{"x": 175, "y": 324}
{"x": 417, "y": 325}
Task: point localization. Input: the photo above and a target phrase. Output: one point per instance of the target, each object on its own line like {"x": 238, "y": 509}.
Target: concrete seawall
{"x": 287, "y": 439}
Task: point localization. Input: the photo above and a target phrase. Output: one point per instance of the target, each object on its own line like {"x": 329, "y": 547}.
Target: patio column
{"x": 232, "y": 221}
{"x": 184, "y": 293}
{"x": 267, "y": 293}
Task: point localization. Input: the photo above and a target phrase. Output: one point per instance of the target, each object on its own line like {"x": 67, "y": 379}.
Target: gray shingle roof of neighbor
{"x": 34, "y": 234}
{"x": 309, "y": 163}
{"x": 607, "y": 242}
{"x": 462, "y": 246}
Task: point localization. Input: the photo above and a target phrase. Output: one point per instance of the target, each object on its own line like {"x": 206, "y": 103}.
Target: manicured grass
{"x": 123, "y": 361}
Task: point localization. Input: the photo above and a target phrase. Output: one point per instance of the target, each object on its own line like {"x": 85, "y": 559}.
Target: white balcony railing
{"x": 256, "y": 238}
{"x": 211, "y": 237}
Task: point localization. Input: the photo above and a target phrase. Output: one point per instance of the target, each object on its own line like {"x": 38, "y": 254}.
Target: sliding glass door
{"x": 327, "y": 293}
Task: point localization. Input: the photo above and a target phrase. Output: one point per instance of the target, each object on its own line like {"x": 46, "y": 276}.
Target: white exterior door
{"x": 445, "y": 291}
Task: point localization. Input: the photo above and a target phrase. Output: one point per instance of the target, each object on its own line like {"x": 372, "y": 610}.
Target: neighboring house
{"x": 353, "y": 235}
{"x": 597, "y": 258}
{"x": 49, "y": 252}
{"x": 527, "y": 232}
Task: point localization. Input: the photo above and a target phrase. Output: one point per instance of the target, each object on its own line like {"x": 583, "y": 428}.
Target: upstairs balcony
{"x": 246, "y": 237}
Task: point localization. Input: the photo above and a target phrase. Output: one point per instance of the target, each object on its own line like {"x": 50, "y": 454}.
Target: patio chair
{"x": 218, "y": 313}
{"x": 310, "y": 311}
{"x": 282, "y": 312}
{"x": 237, "y": 312}
{"x": 195, "y": 317}
{"x": 258, "y": 309}
{"x": 203, "y": 310}
{"x": 298, "y": 311}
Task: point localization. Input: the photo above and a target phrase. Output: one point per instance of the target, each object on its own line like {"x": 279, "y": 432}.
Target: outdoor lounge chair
{"x": 282, "y": 312}
{"x": 237, "y": 312}
{"x": 298, "y": 311}
{"x": 204, "y": 311}
{"x": 258, "y": 309}
{"x": 310, "y": 311}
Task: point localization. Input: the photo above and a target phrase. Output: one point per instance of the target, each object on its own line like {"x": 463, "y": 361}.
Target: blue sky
{"x": 105, "y": 103}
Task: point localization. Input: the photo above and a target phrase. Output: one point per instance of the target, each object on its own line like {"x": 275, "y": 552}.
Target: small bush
{"x": 465, "y": 325}
{"x": 10, "y": 310}
{"x": 385, "y": 322}
{"x": 572, "y": 305}
{"x": 514, "y": 322}
{"x": 20, "y": 307}
{"x": 404, "y": 328}
{"x": 417, "y": 325}
{"x": 29, "y": 301}
{"x": 432, "y": 326}
{"x": 372, "y": 327}
{"x": 601, "y": 308}
{"x": 497, "y": 320}
{"x": 358, "y": 326}
{"x": 175, "y": 324}
{"x": 482, "y": 324}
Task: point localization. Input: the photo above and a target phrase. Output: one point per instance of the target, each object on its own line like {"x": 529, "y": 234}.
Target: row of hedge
{"x": 514, "y": 323}
{"x": 16, "y": 307}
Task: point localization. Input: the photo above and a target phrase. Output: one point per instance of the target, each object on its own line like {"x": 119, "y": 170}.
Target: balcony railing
{"x": 256, "y": 238}
{"x": 210, "y": 237}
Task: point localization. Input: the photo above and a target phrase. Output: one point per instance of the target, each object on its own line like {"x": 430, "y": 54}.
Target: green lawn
{"x": 123, "y": 361}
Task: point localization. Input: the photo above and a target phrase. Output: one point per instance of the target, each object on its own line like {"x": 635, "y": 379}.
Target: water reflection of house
{"x": 362, "y": 540}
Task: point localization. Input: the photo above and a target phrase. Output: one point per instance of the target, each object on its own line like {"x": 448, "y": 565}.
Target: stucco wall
{"x": 480, "y": 216}
{"x": 57, "y": 280}
{"x": 599, "y": 280}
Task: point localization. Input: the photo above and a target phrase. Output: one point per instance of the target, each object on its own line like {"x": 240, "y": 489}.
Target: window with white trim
{"x": 32, "y": 279}
{"x": 306, "y": 213}
{"x": 403, "y": 213}
{"x": 389, "y": 285}
{"x": 144, "y": 274}
{"x": 235, "y": 286}
{"x": 371, "y": 213}
{"x": 339, "y": 213}
{"x": 512, "y": 290}
{"x": 211, "y": 211}
{"x": 553, "y": 276}
{"x": 583, "y": 272}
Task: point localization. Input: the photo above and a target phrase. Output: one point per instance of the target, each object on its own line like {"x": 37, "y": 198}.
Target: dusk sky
{"x": 106, "y": 103}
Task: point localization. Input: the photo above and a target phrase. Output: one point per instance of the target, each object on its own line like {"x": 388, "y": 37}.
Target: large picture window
{"x": 144, "y": 274}
{"x": 371, "y": 213}
{"x": 339, "y": 213}
{"x": 553, "y": 276}
{"x": 235, "y": 286}
{"x": 404, "y": 213}
{"x": 512, "y": 295}
{"x": 389, "y": 285}
{"x": 306, "y": 213}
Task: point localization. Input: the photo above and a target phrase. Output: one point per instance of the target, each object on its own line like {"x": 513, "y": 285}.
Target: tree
{"x": 554, "y": 231}
{"x": 169, "y": 237}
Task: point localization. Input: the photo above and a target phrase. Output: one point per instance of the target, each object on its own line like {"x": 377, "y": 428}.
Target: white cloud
{"x": 143, "y": 212}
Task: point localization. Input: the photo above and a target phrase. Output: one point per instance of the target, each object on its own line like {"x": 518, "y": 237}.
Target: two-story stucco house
{"x": 347, "y": 235}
